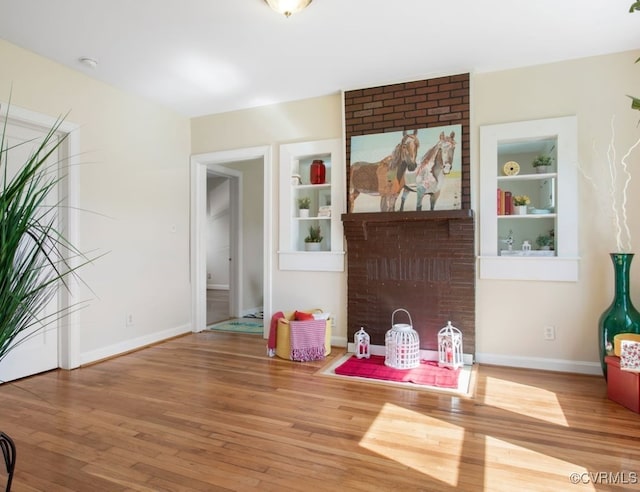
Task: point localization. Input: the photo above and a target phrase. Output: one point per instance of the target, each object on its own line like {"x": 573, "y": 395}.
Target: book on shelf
{"x": 508, "y": 203}
{"x": 505, "y": 202}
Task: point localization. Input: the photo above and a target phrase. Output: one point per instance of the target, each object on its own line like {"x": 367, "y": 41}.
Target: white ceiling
{"x": 211, "y": 56}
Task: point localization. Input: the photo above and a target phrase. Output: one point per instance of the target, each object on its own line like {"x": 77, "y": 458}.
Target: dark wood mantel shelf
{"x": 407, "y": 216}
{"x": 372, "y": 218}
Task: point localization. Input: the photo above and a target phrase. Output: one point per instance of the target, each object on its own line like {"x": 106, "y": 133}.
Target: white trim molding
{"x": 200, "y": 163}
{"x": 69, "y": 325}
{"x": 133, "y": 344}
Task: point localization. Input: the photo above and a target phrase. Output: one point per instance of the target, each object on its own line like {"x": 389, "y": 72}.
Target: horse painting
{"x": 435, "y": 165}
{"x": 385, "y": 177}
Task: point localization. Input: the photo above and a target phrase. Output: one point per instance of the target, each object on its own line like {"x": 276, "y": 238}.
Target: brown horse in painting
{"x": 385, "y": 177}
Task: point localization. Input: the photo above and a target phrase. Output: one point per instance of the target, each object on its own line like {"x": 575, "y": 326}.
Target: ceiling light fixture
{"x": 288, "y": 7}
{"x": 89, "y": 62}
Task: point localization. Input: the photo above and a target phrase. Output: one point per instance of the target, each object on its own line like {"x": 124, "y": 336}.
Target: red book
{"x": 498, "y": 204}
{"x": 508, "y": 203}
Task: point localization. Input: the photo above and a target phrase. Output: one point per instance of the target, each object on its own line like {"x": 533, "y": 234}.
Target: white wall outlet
{"x": 208, "y": 276}
{"x": 549, "y": 332}
{"x": 129, "y": 321}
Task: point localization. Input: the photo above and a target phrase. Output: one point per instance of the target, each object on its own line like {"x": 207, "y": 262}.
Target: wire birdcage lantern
{"x": 450, "y": 347}
{"x": 362, "y": 343}
{"x": 402, "y": 344}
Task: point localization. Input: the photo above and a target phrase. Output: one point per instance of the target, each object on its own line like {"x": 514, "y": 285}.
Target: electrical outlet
{"x": 129, "y": 321}
{"x": 549, "y": 332}
{"x": 208, "y": 276}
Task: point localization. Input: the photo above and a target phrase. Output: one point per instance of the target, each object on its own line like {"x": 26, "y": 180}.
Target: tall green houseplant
{"x": 35, "y": 257}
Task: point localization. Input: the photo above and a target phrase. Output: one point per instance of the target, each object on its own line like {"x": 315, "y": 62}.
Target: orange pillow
{"x": 300, "y": 316}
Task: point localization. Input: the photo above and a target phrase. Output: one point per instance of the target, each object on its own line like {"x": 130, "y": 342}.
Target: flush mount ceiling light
{"x": 89, "y": 62}
{"x": 288, "y": 7}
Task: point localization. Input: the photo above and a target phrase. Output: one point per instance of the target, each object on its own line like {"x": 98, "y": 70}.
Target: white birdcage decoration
{"x": 402, "y": 344}
{"x": 362, "y": 342}
{"x": 450, "y": 347}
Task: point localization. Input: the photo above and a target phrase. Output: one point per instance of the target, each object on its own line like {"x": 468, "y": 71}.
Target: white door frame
{"x": 200, "y": 164}
{"x": 68, "y": 325}
{"x": 236, "y": 270}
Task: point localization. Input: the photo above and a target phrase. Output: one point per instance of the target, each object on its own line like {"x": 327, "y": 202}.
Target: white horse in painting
{"x": 435, "y": 165}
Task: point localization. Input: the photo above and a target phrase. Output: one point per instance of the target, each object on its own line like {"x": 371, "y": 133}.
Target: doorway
{"x": 228, "y": 164}
{"x": 56, "y": 345}
{"x": 224, "y": 245}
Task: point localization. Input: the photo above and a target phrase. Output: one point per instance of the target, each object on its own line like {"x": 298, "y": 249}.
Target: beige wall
{"x": 312, "y": 119}
{"x": 134, "y": 181}
{"x": 252, "y": 233}
{"x": 510, "y": 314}
{"x": 135, "y": 177}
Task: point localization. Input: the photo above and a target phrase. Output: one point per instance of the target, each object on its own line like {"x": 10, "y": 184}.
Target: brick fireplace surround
{"x": 423, "y": 261}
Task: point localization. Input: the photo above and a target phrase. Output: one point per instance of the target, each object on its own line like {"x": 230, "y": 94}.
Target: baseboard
{"x": 133, "y": 344}
{"x": 557, "y": 365}
{"x": 338, "y": 341}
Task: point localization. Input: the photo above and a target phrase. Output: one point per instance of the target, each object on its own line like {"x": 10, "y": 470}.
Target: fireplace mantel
{"x": 366, "y": 219}
{"x": 407, "y": 216}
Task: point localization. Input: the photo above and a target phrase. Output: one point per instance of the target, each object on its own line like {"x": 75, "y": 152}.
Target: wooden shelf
{"x": 407, "y": 216}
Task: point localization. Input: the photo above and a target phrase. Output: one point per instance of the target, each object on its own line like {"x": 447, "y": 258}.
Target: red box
{"x": 623, "y": 387}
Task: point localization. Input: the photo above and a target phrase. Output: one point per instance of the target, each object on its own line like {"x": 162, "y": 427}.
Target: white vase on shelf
{"x": 520, "y": 210}
{"x": 303, "y": 213}
{"x": 312, "y": 246}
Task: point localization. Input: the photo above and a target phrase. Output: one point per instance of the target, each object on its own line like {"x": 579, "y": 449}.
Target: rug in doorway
{"x": 239, "y": 325}
{"x": 428, "y": 376}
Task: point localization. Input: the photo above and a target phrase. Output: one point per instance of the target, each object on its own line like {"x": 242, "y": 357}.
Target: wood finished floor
{"x": 210, "y": 412}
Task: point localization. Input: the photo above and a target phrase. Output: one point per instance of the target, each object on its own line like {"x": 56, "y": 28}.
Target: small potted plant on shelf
{"x": 520, "y": 203}
{"x": 313, "y": 240}
{"x": 545, "y": 241}
{"x": 542, "y": 163}
{"x": 303, "y": 206}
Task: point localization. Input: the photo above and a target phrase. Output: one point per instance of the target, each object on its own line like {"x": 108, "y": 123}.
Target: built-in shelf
{"x": 326, "y": 205}
{"x": 552, "y": 193}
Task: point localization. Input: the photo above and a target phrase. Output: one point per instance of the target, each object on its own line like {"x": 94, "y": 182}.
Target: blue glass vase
{"x": 621, "y": 316}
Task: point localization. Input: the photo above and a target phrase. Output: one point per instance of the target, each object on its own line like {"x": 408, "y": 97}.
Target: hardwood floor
{"x": 210, "y": 412}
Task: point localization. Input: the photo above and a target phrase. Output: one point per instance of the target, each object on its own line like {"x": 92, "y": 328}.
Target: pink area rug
{"x": 428, "y": 373}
